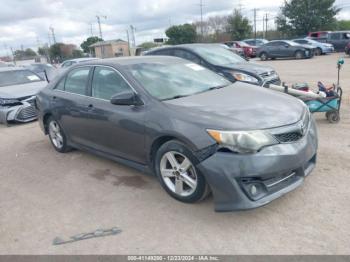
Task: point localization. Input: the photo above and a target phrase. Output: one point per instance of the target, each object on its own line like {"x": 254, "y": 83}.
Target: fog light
{"x": 254, "y": 190}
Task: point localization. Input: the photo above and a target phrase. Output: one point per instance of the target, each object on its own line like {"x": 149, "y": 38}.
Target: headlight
{"x": 243, "y": 142}
{"x": 5, "y": 101}
{"x": 244, "y": 78}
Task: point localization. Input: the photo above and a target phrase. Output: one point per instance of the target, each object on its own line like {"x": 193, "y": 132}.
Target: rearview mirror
{"x": 126, "y": 98}
{"x": 286, "y": 46}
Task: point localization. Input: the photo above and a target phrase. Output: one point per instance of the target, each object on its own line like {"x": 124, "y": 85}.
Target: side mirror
{"x": 126, "y": 98}
{"x": 286, "y": 46}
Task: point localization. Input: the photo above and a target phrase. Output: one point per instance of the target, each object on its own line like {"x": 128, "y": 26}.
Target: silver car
{"x": 18, "y": 87}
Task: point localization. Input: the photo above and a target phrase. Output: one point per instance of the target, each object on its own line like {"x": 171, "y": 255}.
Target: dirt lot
{"x": 44, "y": 194}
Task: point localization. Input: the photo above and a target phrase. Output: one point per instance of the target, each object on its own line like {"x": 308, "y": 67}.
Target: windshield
{"x": 171, "y": 81}
{"x": 9, "y": 78}
{"x": 218, "y": 55}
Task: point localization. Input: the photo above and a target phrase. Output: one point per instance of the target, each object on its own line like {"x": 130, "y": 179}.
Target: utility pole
{"x": 101, "y": 36}
{"x": 128, "y": 37}
{"x": 133, "y": 29}
{"x": 13, "y": 55}
{"x": 53, "y": 34}
{"x": 254, "y": 23}
{"x": 266, "y": 20}
{"x": 99, "y": 24}
{"x": 201, "y": 7}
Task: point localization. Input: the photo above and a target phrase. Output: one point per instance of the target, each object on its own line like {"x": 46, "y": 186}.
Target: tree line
{"x": 296, "y": 18}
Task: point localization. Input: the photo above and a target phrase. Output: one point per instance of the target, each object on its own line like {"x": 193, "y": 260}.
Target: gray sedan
{"x": 18, "y": 87}
{"x": 195, "y": 130}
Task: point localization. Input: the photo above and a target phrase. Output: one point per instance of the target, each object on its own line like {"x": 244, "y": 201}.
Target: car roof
{"x": 78, "y": 60}
{"x": 11, "y": 68}
{"x": 125, "y": 61}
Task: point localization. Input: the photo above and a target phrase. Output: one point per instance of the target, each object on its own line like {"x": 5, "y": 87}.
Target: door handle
{"x": 90, "y": 106}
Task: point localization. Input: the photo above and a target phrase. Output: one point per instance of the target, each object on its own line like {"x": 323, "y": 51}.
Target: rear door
{"x": 70, "y": 105}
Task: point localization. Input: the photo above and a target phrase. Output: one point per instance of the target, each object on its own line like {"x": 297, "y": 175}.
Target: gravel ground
{"x": 44, "y": 194}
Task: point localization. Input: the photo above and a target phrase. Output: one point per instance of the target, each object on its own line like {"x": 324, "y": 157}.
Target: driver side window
{"x": 107, "y": 82}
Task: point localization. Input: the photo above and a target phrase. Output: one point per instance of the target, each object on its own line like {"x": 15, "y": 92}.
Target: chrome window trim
{"x": 93, "y": 66}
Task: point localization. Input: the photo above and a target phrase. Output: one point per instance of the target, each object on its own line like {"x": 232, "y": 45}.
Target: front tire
{"x": 57, "y": 137}
{"x": 263, "y": 56}
{"x": 299, "y": 55}
{"x": 176, "y": 171}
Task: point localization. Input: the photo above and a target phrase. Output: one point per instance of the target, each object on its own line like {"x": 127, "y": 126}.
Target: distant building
{"x": 111, "y": 48}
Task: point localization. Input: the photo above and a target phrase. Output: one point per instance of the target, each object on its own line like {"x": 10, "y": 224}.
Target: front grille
{"x": 268, "y": 74}
{"x": 275, "y": 81}
{"x": 289, "y": 137}
{"x": 26, "y": 114}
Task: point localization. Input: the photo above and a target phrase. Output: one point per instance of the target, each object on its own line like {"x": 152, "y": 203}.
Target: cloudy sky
{"x": 27, "y": 22}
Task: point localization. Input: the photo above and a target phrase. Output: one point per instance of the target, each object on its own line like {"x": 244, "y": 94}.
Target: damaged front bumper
{"x": 241, "y": 182}
{"x": 23, "y": 112}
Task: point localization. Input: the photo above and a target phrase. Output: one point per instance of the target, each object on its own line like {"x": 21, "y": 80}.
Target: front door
{"x": 117, "y": 130}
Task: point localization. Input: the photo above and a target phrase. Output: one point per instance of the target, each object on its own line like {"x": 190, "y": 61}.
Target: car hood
{"x": 23, "y": 90}
{"x": 239, "y": 106}
{"x": 249, "y": 67}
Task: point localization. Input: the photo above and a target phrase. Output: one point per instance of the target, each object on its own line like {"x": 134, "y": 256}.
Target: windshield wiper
{"x": 175, "y": 97}
{"x": 217, "y": 87}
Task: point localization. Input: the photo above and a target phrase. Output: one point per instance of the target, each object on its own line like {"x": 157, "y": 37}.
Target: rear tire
{"x": 57, "y": 137}
{"x": 318, "y": 51}
{"x": 263, "y": 56}
{"x": 175, "y": 166}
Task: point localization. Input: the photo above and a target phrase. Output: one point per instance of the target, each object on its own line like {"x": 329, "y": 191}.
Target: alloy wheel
{"x": 55, "y": 134}
{"x": 178, "y": 174}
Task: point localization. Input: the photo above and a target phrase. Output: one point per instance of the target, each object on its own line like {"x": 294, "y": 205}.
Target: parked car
{"x": 256, "y": 42}
{"x": 347, "y": 49}
{"x": 236, "y": 50}
{"x": 42, "y": 69}
{"x": 320, "y": 48}
{"x": 18, "y": 87}
{"x": 220, "y": 60}
{"x": 71, "y": 62}
{"x": 284, "y": 49}
{"x": 249, "y": 51}
{"x": 339, "y": 39}
{"x": 190, "y": 127}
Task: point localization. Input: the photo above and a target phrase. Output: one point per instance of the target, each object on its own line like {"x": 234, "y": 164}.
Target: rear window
{"x": 18, "y": 77}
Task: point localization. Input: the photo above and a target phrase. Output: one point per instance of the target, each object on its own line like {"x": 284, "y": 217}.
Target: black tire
{"x": 201, "y": 190}
{"x": 264, "y": 56}
{"x": 318, "y": 51}
{"x": 63, "y": 147}
{"x": 299, "y": 55}
{"x": 333, "y": 117}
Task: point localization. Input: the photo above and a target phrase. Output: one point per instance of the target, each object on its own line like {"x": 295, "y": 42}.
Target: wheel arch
{"x": 161, "y": 140}
{"x": 45, "y": 119}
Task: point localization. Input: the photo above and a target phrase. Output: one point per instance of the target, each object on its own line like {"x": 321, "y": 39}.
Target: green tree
{"x": 77, "y": 53}
{"x": 29, "y": 52}
{"x": 299, "y": 17}
{"x": 238, "y": 26}
{"x": 181, "y": 34}
{"x": 88, "y": 42}
{"x": 343, "y": 25}
{"x": 55, "y": 52}
{"x": 148, "y": 45}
